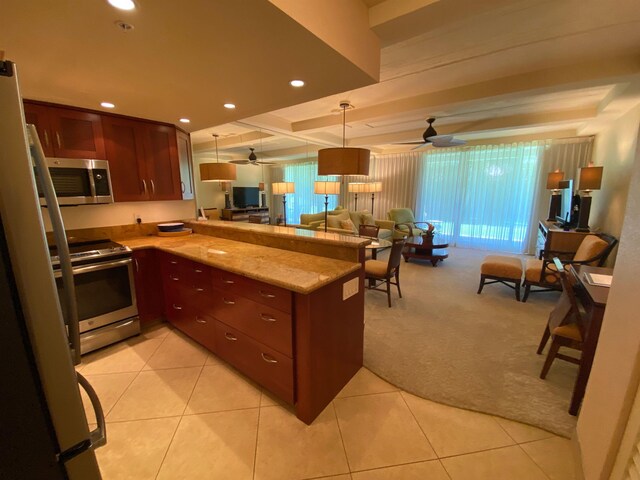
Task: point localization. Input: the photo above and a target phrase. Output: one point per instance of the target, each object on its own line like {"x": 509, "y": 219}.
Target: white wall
{"x": 616, "y": 368}
{"x": 122, "y": 213}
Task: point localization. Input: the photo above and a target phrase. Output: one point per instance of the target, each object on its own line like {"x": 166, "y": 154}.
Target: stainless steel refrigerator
{"x": 45, "y": 434}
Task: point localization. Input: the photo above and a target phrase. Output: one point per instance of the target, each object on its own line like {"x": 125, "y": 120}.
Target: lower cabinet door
{"x": 259, "y": 362}
{"x": 201, "y": 328}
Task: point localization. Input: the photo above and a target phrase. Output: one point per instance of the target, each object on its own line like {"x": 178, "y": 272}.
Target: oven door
{"x": 105, "y": 293}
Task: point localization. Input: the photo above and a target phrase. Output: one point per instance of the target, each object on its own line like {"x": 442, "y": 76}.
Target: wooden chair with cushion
{"x": 542, "y": 273}
{"x": 368, "y": 230}
{"x": 565, "y": 326}
{"x": 405, "y": 222}
{"x": 377, "y": 272}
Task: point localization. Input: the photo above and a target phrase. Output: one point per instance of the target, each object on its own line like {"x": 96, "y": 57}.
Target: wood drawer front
{"x": 262, "y": 323}
{"x": 265, "y": 294}
{"x": 228, "y": 282}
{"x": 199, "y": 327}
{"x": 199, "y": 275}
{"x": 171, "y": 268}
{"x": 175, "y": 305}
{"x": 259, "y": 362}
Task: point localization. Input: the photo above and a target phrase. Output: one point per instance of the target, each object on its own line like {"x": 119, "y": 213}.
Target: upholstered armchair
{"x": 542, "y": 272}
{"x": 405, "y": 223}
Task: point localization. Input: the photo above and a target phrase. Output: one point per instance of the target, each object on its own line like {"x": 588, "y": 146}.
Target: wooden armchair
{"x": 542, "y": 272}
{"x": 405, "y": 223}
{"x": 565, "y": 326}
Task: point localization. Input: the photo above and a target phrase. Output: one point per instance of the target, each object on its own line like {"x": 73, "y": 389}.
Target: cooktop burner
{"x": 90, "y": 248}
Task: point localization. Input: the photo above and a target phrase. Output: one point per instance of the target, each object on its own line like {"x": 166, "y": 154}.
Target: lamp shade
{"x": 326, "y": 188}
{"x": 590, "y": 178}
{"x": 357, "y": 187}
{"x": 554, "y": 179}
{"x": 261, "y": 186}
{"x": 216, "y": 172}
{"x": 373, "y": 187}
{"x": 282, "y": 188}
{"x": 343, "y": 161}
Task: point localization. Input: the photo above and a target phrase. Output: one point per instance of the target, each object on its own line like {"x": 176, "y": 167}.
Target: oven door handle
{"x": 97, "y": 267}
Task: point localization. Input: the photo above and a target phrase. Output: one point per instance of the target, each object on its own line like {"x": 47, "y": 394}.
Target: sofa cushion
{"x": 501, "y": 266}
{"x": 334, "y": 220}
{"x": 401, "y": 215}
{"x": 367, "y": 219}
{"x": 375, "y": 268}
{"x": 384, "y": 233}
{"x": 348, "y": 225}
{"x": 307, "y": 218}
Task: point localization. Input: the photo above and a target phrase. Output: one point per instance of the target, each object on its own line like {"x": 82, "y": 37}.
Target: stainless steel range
{"x": 105, "y": 292}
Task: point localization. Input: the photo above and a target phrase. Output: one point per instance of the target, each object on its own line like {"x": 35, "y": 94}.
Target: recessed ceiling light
{"x": 185, "y": 120}
{"x": 107, "y": 105}
{"x": 296, "y": 83}
{"x": 122, "y": 4}
{"x": 230, "y": 106}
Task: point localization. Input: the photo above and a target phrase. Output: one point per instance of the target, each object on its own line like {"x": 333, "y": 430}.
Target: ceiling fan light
{"x": 343, "y": 161}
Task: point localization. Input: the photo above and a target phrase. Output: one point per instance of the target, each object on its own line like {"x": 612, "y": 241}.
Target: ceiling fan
{"x": 430, "y": 136}
{"x": 251, "y": 160}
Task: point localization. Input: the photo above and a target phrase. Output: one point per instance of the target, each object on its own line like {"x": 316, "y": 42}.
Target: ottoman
{"x": 501, "y": 269}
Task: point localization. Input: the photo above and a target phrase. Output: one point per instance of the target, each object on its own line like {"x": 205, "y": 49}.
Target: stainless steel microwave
{"x": 79, "y": 181}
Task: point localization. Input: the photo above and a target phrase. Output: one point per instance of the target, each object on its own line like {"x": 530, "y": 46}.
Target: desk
{"x": 594, "y": 301}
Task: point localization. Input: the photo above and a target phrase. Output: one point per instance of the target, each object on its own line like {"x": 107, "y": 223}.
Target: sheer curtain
{"x": 480, "y": 197}
{"x": 303, "y": 174}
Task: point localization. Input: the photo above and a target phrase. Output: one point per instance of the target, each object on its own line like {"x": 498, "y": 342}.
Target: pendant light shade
{"x": 344, "y": 160}
{"x": 217, "y": 172}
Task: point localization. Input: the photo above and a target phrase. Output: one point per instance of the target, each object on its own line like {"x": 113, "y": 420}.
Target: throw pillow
{"x": 333, "y": 221}
{"x": 367, "y": 219}
{"x": 348, "y": 225}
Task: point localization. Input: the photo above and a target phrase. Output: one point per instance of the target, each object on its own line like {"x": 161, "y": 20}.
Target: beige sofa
{"x": 315, "y": 221}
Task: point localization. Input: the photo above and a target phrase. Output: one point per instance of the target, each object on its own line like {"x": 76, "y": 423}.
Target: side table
{"x": 425, "y": 248}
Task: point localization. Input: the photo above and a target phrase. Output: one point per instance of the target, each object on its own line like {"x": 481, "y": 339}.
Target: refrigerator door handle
{"x": 98, "y": 436}
{"x": 61, "y": 241}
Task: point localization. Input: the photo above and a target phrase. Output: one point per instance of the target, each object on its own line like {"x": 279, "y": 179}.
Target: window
{"x": 305, "y": 200}
{"x": 480, "y": 197}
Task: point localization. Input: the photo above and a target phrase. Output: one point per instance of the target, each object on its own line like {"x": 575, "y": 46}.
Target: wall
{"x": 616, "y": 368}
{"x": 614, "y": 149}
{"x": 122, "y": 213}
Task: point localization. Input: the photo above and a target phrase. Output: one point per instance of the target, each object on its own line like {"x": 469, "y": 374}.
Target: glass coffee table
{"x": 425, "y": 248}
{"x": 375, "y": 245}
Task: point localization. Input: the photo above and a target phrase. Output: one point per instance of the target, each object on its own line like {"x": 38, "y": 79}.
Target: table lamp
{"x": 326, "y": 189}
{"x": 356, "y": 187}
{"x": 590, "y": 179}
{"x": 553, "y": 184}
{"x": 282, "y": 188}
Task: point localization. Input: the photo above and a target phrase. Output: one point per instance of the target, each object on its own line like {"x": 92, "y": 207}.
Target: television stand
{"x": 242, "y": 214}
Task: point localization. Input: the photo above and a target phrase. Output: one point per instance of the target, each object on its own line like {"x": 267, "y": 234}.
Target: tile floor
{"x": 175, "y": 411}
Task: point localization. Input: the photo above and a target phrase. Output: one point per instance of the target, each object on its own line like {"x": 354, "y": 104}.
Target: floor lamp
{"x": 326, "y": 189}
{"x": 356, "y": 187}
{"x": 373, "y": 187}
{"x": 553, "y": 184}
{"x": 282, "y": 188}
{"x": 590, "y": 179}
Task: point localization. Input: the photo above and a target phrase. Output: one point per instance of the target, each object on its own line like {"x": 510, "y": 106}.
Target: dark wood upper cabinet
{"x": 186, "y": 165}
{"x": 143, "y": 160}
{"x": 67, "y": 133}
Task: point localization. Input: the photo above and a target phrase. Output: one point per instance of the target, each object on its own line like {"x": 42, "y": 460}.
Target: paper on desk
{"x": 598, "y": 279}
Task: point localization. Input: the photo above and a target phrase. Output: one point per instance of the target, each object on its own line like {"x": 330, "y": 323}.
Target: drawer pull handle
{"x": 228, "y": 302}
{"x": 268, "y": 358}
{"x": 175, "y": 279}
{"x": 201, "y": 320}
{"x": 199, "y": 289}
{"x": 173, "y": 262}
{"x": 198, "y": 271}
{"x": 229, "y": 282}
{"x": 267, "y": 318}
{"x": 267, "y": 295}
{"x": 177, "y": 307}
{"x": 231, "y": 337}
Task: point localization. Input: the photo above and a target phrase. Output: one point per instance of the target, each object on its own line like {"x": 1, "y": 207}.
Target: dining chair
{"x": 377, "y": 272}
{"x": 368, "y": 230}
{"x": 565, "y": 326}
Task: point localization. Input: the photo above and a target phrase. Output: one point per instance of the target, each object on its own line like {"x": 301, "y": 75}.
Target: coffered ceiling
{"x": 487, "y": 70}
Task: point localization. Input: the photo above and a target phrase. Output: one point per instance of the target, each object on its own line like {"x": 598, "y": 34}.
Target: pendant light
{"x": 344, "y": 160}
{"x": 217, "y": 172}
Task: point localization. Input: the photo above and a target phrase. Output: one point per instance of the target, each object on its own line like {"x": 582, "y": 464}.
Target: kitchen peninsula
{"x": 269, "y": 300}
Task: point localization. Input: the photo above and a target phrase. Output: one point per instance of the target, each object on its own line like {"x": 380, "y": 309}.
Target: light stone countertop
{"x": 299, "y": 272}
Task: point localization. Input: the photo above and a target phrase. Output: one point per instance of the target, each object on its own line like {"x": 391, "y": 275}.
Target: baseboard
{"x": 577, "y": 456}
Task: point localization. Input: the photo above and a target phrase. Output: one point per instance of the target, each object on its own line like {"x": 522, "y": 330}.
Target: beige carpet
{"x": 444, "y": 342}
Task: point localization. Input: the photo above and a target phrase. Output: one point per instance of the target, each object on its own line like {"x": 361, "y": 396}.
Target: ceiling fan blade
{"x": 240, "y": 162}
{"x": 425, "y": 144}
{"x": 264, "y": 163}
{"x": 409, "y": 143}
{"x": 440, "y": 138}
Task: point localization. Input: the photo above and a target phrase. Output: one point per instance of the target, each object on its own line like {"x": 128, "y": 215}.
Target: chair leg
{"x": 481, "y": 286}
{"x": 543, "y": 340}
{"x": 398, "y": 282}
{"x": 518, "y": 290}
{"x": 527, "y": 288}
{"x": 389, "y": 291}
{"x": 553, "y": 351}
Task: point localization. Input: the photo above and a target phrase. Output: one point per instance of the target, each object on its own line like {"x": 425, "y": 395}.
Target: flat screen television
{"x": 566, "y": 205}
{"x": 244, "y": 197}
